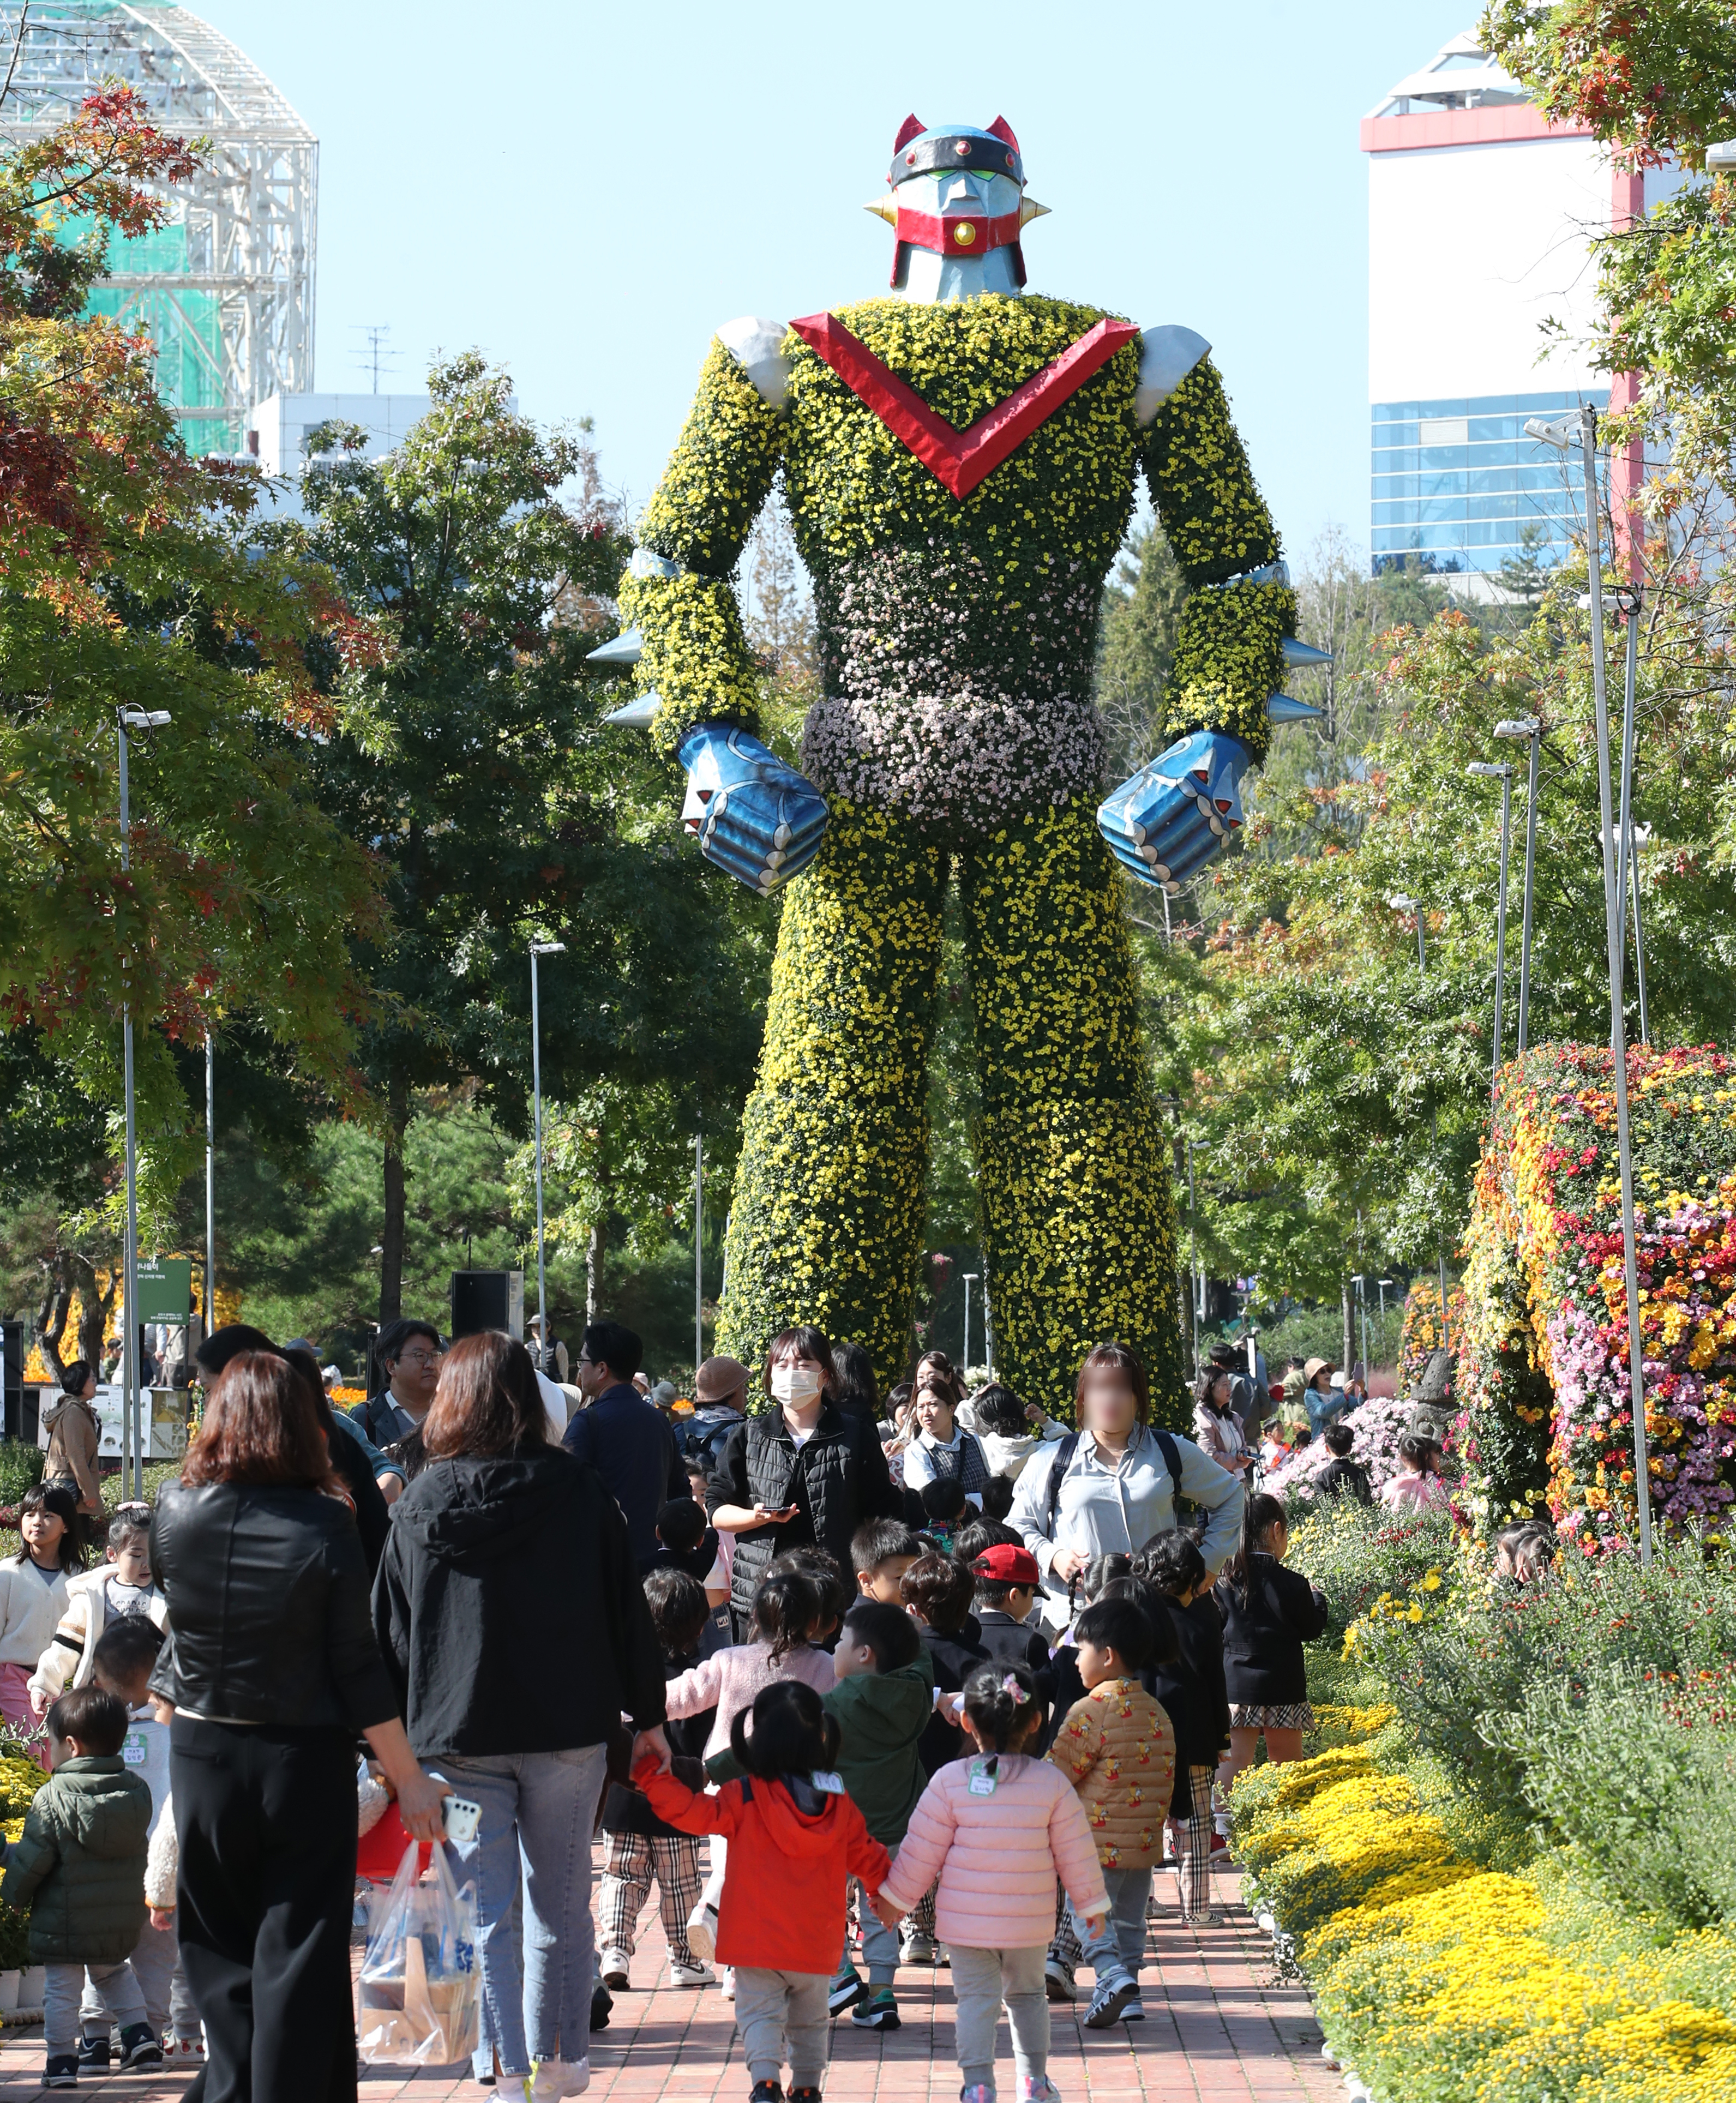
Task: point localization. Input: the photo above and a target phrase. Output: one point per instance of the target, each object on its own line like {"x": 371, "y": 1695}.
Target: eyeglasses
{"x": 419, "y": 1357}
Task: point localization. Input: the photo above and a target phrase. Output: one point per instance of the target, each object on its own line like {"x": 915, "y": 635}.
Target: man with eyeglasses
{"x": 408, "y": 1354}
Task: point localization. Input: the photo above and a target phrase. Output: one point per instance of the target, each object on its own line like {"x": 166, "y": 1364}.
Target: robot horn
{"x": 882, "y": 207}
{"x": 1003, "y": 132}
{"x": 912, "y": 128}
{"x": 1029, "y": 210}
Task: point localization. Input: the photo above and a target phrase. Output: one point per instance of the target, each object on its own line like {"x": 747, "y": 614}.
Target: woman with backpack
{"x": 1109, "y": 1485}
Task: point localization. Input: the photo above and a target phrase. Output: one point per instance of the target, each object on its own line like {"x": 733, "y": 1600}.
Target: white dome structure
{"x": 225, "y": 289}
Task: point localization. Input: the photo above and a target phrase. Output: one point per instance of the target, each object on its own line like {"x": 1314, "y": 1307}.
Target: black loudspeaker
{"x": 488, "y": 1299}
{"x": 12, "y": 1379}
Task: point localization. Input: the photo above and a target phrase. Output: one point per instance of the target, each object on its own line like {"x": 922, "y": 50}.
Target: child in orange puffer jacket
{"x": 795, "y": 1839}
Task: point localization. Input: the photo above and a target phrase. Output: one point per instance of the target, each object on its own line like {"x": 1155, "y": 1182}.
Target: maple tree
{"x": 126, "y": 581}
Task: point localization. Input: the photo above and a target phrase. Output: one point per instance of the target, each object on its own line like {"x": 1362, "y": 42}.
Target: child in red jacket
{"x": 795, "y": 1839}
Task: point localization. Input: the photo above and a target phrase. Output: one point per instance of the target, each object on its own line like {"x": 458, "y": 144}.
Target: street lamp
{"x": 210, "y": 1186}
{"x": 132, "y": 1464}
{"x": 539, "y": 950}
{"x": 1627, "y": 597}
{"x": 1489, "y": 770}
{"x": 1526, "y": 727}
{"x": 970, "y": 1279}
{"x": 1400, "y": 903}
{"x": 1562, "y": 434}
{"x": 1383, "y": 1283}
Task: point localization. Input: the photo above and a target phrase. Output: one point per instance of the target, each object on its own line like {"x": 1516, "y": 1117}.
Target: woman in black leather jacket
{"x": 271, "y": 1671}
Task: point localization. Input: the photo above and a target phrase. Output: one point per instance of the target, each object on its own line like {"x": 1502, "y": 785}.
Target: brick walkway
{"x": 1219, "y": 2029}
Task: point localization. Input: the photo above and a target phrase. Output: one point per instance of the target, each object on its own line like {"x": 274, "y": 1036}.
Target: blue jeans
{"x": 1116, "y": 1957}
{"x": 534, "y": 1840}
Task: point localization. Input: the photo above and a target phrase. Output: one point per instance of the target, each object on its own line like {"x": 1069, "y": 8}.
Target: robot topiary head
{"x": 957, "y": 191}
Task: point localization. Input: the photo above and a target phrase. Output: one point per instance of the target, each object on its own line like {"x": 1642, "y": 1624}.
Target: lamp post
{"x": 132, "y": 1466}
{"x": 1489, "y": 770}
{"x": 699, "y": 1247}
{"x": 1638, "y": 836}
{"x": 1193, "y": 1256}
{"x": 1401, "y": 904}
{"x": 539, "y": 950}
{"x": 1383, "y": 1283}
{"x": 1627, "y": 597}
{"x": 1529, "y": 727}
{"x": 211, "y": 1184}
{"x": 970, "y": 1279}
{"x": 1562, "y": 434}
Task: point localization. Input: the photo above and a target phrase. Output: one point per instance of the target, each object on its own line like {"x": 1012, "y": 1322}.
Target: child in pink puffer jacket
{"x": 997, "y": 1829}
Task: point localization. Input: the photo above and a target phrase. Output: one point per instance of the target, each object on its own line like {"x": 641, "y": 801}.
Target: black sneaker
{"x": 140, "y": 2046}
{"x": 62, "y": 2071}
{"x": 805, "y": 2095}
{"x": 94, "y": 2053}
{"x": 847, "y": 1990}
{"x": 602, "y": 2006}
{"x": 879, "y": 2011}
{"x": 767, "y": 2092}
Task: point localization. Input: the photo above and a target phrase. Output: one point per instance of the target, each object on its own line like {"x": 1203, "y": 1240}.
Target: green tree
{"x": 1142, "y": 603}
{"x": 471, "y": 757}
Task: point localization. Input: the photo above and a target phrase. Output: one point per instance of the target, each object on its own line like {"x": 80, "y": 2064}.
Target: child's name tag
{"x": 982, "y": 1781}
{"x": 133, "y": 1750}
{"x": 831, "y": 1783}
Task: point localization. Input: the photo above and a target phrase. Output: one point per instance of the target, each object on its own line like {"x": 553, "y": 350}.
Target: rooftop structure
{"x": 225, "y": 289}
{"x": 1481, "y": 211}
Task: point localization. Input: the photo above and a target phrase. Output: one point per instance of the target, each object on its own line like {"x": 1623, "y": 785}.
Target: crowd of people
{"x": 852, "y": 1690}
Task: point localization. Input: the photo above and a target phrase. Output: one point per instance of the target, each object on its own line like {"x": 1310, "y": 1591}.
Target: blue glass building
{"x": 1455, "y": 484}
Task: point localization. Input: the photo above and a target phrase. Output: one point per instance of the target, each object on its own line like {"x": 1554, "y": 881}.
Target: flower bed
{"x": 1377, "y": 1425}
{"x": 1542, "y": 1361}
{"x": 1506, "y": 1879}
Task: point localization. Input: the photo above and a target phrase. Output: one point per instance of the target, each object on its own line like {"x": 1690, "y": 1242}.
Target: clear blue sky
{"x": 585, "y": 193}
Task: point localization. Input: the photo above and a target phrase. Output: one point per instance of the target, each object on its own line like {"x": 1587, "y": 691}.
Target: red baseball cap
{"x": 1007, "y": 1563}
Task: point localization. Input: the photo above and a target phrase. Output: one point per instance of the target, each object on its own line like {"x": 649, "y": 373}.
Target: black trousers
{"x": 265, "y": 1817}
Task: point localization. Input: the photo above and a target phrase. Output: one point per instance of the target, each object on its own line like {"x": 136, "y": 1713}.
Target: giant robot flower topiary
{"x": 959, "y": 463}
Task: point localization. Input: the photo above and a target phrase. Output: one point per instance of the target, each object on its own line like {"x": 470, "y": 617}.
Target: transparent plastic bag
{"x": 419, "y": 1994}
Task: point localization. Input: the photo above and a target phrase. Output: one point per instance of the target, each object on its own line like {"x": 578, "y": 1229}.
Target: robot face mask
{"x": 957, "y": 193}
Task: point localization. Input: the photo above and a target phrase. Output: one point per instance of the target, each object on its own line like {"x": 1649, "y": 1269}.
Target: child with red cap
{"x": 1007, "y": 1582}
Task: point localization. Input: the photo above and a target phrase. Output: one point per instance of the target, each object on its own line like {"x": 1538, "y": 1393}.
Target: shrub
{"x": 1643, "y": 1792}
{"x": 20, "y": 1469}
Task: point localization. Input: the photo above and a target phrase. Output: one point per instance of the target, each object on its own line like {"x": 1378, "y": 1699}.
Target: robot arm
{"x": 696, "y": 681}
{"x": 1236, "y": 636}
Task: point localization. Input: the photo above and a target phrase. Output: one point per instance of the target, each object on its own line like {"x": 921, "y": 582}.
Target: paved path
{"x": 1220, "y": 2028}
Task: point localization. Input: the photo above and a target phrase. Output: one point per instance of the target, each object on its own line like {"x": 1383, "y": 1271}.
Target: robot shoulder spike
{"x": 756, "y": 345}
{"x": 1166, "y": 356}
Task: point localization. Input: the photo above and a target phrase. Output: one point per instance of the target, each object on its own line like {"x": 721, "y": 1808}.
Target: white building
{"x": 276, "y": 429}
{"x": 1481, "y": 216}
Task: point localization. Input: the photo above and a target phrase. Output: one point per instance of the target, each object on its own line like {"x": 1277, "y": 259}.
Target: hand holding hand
{"x": 653, "y": 1741}
{"x": 885, "y": 1912}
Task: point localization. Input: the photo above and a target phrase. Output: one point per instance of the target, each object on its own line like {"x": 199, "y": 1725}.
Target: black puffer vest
{"x": 837, "y": 1477}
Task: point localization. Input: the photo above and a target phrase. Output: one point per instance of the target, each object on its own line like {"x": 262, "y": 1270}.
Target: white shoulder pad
{"x": 756, "y": 344}
{"x": 1166, "y": 358}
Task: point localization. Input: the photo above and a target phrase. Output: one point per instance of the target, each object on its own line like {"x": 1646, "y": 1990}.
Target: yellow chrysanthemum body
{"x": 956, "y": 644}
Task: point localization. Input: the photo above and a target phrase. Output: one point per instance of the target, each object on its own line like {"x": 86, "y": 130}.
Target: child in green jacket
{"x": 79, "y": 1869}
{"x": 883, "y": 1698}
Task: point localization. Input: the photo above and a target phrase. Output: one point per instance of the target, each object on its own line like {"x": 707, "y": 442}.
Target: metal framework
{"x": 226, "y": 289}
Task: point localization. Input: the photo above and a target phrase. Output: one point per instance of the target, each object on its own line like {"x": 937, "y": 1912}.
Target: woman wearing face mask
{"x": 800, "y": 1473}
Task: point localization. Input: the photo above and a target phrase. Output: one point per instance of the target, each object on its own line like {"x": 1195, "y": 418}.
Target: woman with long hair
{"x": 516, "y": 1633}
{"x": 1217, "y": 1430}
{"x": 272, "y": 1671}
{"x": 1109, "y": 1485}
{"x": 1269, "y": 1613}
{"x": 32, "y": 1594}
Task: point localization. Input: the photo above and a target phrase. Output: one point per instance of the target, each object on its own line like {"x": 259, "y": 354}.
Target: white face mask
{"x": 795, "y": 1385}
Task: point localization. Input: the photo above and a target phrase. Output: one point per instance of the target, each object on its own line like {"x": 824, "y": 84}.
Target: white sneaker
{"x": 690, "y": 1975}
{"x": 702, "y": 1932}
{"x": 615, "y": 1963}
{"x": 916, "y": 1948}
{"x": 556, "y": 2078}
{"x": 183, "y": 2051}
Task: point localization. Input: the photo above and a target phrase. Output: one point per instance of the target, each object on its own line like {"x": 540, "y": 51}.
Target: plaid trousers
{"x": 1194, "y": 1862}
{"x": 631, "y": 1863}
